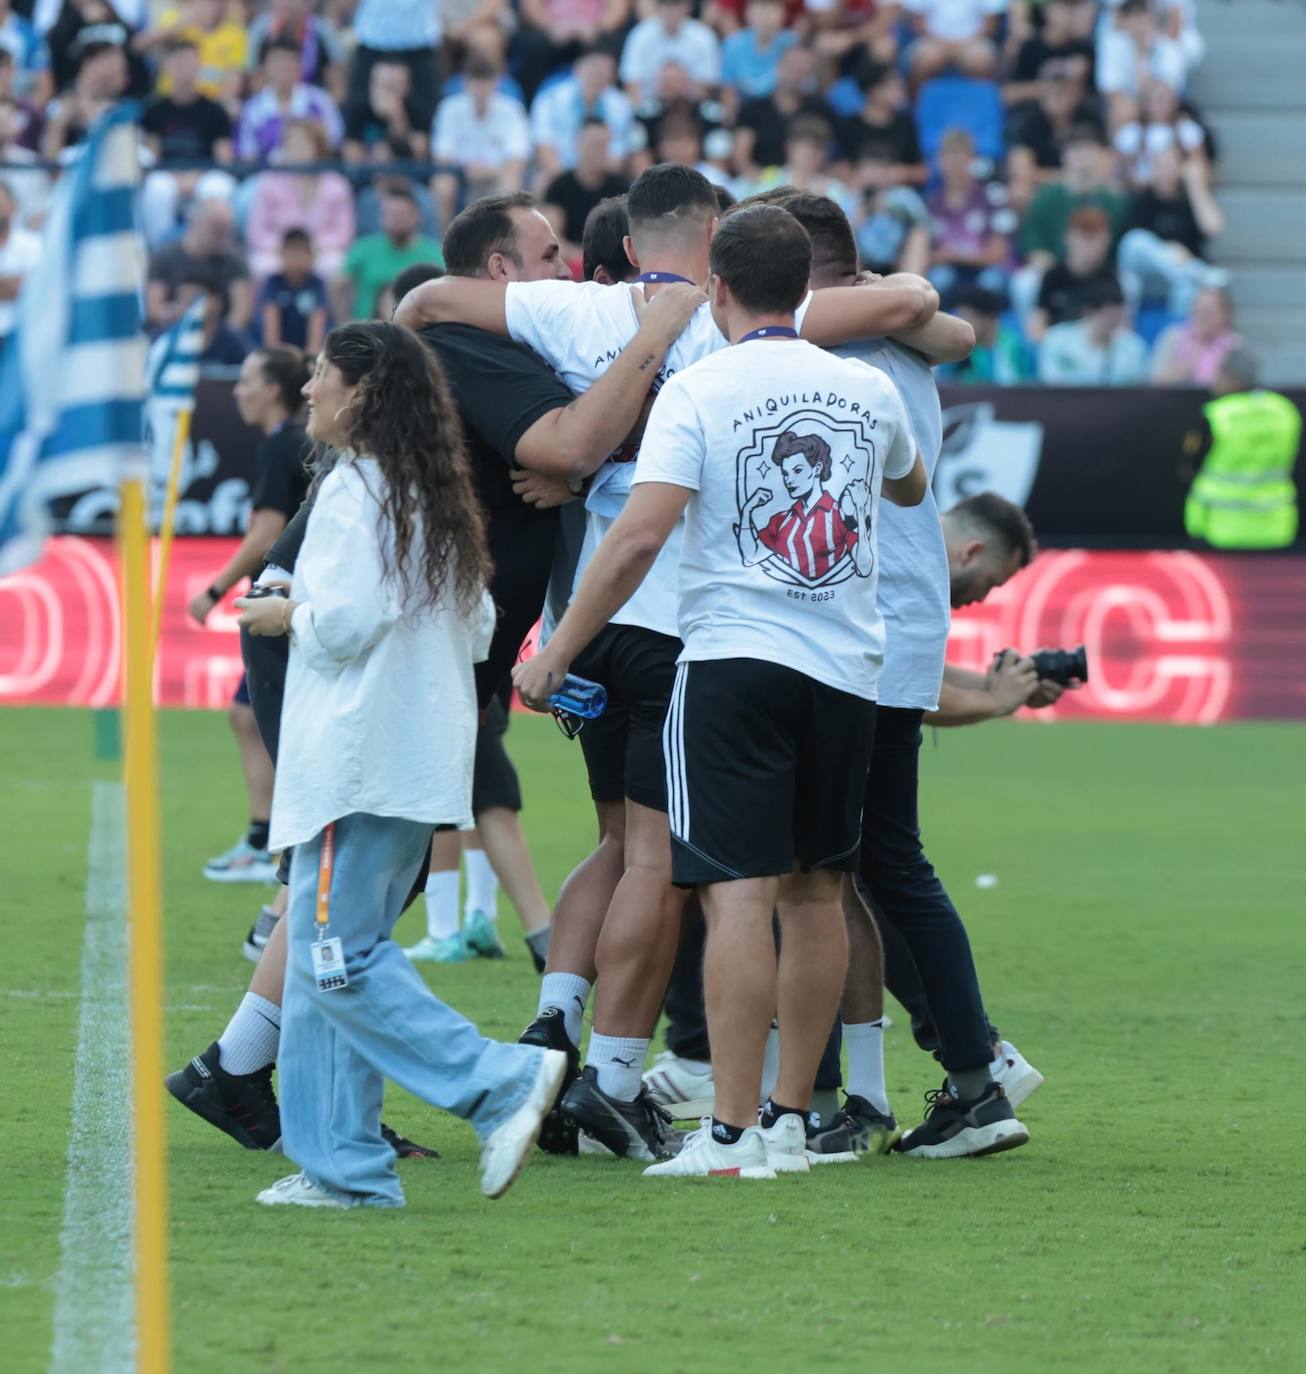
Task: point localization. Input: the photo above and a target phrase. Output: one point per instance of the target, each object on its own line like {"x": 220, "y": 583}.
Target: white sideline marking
{"x": 94, "y": 1319}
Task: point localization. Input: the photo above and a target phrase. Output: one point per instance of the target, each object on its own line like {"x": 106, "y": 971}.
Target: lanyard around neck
{"x": 770, "y": 331}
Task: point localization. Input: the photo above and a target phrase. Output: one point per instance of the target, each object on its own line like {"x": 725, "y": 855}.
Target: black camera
{"x": 1062, "y": 666}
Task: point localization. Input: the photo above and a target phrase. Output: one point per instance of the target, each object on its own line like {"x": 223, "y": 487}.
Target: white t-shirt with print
{"x": 785, "y": 447}
{"x": 579, "y": 329}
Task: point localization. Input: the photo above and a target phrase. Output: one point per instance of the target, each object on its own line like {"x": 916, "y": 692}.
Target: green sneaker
{"x": 450, "y": 950}
{"x": 481, "y": 935}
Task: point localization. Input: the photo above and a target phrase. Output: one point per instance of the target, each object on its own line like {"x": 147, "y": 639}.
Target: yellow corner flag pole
{"x": 145, "y": 907}
{"x": 168, "y": 525}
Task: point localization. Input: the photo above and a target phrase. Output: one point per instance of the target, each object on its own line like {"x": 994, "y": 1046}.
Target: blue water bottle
{"x": 579, "y": 697}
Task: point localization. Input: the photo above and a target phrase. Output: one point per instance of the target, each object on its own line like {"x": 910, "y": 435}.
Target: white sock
{"x": 619, "y": 1060}
{"x": 770, "y": 1064}
{"x": 864, "y": 1042}
{"x": 250, "y": 1041}
{"x": 442, "y": 904}
{"x": 482, "y": 885}
{"x": 568, "y": 992}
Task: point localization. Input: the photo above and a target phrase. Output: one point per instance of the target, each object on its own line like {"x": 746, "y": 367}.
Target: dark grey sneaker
{"x": 244, "y": 1105}
{"x": 549, "y": 1031}
{"x": 954, "y": 1130}
{"x": 631, "y": 1130}
{"x": 856, "y": 1130}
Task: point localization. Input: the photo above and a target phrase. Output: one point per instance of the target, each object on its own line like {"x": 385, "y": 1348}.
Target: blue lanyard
{"x": 663, "y": 276}
{"x": 770, "y": 331}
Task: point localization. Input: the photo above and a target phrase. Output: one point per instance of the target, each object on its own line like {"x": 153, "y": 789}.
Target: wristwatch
{"x": 215, "y": 593}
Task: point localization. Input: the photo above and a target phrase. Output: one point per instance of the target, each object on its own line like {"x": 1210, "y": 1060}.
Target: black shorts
{"x": 240, "y": 697}
{"x": 494, "y": 779}
{"x": 623, "y": 747}
{"x": 766, "y": 768}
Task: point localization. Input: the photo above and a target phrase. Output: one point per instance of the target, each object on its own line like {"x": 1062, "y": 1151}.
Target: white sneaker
{"x": 705, "y": 1157}
{"x": 786, "y": 1144}
{"x": 242, "y": 863}
{"x": 506, "y": 1150}
{"x": 1019, "y": 1078}
{"x": 684, "y": 1092}
{"x": 298, "y": 1190}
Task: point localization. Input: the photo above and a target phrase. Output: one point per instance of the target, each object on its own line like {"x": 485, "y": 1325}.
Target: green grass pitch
{"x": 1143, "y": 947}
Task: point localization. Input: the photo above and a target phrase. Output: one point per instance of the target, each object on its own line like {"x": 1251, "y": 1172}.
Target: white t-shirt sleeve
{"x": 541, "y": 314}
{"x": 673, "y": 447}
{"x": 900, "y": 456}
{"x": 801, "y": 313}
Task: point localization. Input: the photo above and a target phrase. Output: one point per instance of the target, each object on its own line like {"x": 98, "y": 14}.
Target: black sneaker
{"x": 244, "y": 1105}
{"x": 856, "y": 1130}
{"x": 631, "y": 1130}
{"x": 405, "y": 1148}
{"x": 549, "y": 1031}
{"x": 985, "y": 1126}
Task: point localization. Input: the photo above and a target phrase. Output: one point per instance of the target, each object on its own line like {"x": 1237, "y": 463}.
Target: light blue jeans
{"x": 1149, "y": 267}
{"x": 338, "y": 1047}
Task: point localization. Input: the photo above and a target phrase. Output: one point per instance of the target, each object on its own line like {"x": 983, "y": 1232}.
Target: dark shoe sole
{"x": 197, "y": 1100}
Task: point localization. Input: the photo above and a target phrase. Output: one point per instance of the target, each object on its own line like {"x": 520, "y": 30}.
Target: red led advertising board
{"x": 1185, "y": 637}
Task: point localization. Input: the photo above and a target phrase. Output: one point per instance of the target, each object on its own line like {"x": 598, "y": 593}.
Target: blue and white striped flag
{"x": 72, "y": 376}
{"x": 174, "y": 363}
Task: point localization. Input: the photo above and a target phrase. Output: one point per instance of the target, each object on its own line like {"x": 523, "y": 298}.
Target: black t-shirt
{"x": 363, "y": 126}
{"x": 1066, "y": 296}
{"x": 281, "y": 481}
{"x": 186, "y": 131}
{"x": 1169, "y": 219}
{"x": 1035, "y": 51}
{"x": 769, "y": 125}
{"x": 576, "y": 200}
{"x": 284, "y": 552}
{"x": 895, "y": 141}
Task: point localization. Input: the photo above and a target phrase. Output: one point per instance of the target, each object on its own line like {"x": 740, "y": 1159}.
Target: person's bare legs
{"x": 505, "y": 845}
{"x": 584, "y": 897}
{"x": 270, "y": 972}
{"x": 739, "y": 986}
{"x": 254, "y": 760}
{"x": 813, "y": 965}
{"x": 863, "y": 989}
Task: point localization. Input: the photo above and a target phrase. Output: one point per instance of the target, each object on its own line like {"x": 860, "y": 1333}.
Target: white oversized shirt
{"x": 380, "y": 710}
{"x": 785, "y": 448}
{"x": 462, "y": 136}
{"x": 579, "y": 329}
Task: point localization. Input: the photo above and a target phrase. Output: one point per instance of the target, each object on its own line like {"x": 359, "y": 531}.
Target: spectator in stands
{"x": 20, "y": 251}
{"x": 1162, "y": 124}
{"x": 293, "y": 307}
{"x": 389, "y": 112}
{"x": 321, "y": 51}
{"x": 572, "y": 195}
{"x": 206, "y": 252}
{"x": 590, "y": 92}
{"x": 1061, "y": 39}
{"x": 406, "y": 31}
{"x": 554, "y": 33}
{"x": 881, "y": 141}
{"x": 677, "y": 99}
{"x": 27, "y": 183}
{"x": 1038, "y": 129}
{"x": 224, "y": 344}
{"x": 320, "y": 203}
{"x": 973, "y": 223}
{"x": 750, "y": 57}
{"x": 893, "y": 225}
{"x": 28, "y": 54}
{"x": 186, "y": 125}
{"x": 843, "y": 28}
{"x": 101, "y": 82}
{"x": 681, "y": 138}
{"x": 1163, "y": 250}
{"x": 807, "y": 155}
{"x": 85, "y": 23}
{"x": 1191, "y": 353}
{"x": 284, "y": 97}
{"x": 1069, "y": 287}
{"x": 1098, "y": 349}
{"x": 998, "y": 357}
{"x": 484, "y": 133}
{"x": 954, "y": 33}
{"x": 763, "y": 124}
{"x": 669, "y": 35}
{"x": 375, "y": 259}
{"x": 1132, "y": 52}
{"x": 26, "y": 121}
{"x": 219, "y": 43}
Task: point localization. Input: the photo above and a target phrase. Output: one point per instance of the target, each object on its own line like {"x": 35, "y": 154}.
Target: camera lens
{"x": 1063, "y": 666}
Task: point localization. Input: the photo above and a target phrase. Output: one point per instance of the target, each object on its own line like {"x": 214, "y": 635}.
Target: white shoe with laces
{"x": 1019, "y": 1078}
{"x": 786, "y": 1144}
{"x": 506, "y": 1150}
{"x": 298, "y": 1190}
{"x": 703, "y": 1156}
{"x": 682, "y": 1087}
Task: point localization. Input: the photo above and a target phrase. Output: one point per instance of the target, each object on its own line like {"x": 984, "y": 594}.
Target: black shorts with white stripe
{"x": 766, "y": 769}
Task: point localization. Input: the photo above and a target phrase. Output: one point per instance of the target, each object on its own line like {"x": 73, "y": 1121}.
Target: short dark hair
{"x": 484, "y": 227}
{"x": 592, "y": 121}
{"x": 811, "y": 128}
{"x": 399, "y": 190}
{"x": 725, "y": 198}
{"x": 287, "y": 369}
{"x": 603, "y": 244}
{"x": 764, "y": 256}
{"x": 814, "y": 449}
{"x": 1002, "y": 518}
{"x": 668, "y": 193}
{"x": 180, "y": 43}
{"x": 296, "y": 238}
{"x": 979, "y": 299}
{"x": 834, "y": 246}
{"x": 279, "y": 44}
{"x": 414, "y": 276}
{"x": 479, "y": 67}
{"x": 1083, "y": 131}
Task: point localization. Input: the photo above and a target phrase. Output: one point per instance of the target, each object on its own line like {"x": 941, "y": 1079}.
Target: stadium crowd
{"x": 1038, "y": 160}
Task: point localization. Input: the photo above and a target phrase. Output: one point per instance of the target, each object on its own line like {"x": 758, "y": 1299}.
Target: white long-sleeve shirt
{"x": 380, "y": 708}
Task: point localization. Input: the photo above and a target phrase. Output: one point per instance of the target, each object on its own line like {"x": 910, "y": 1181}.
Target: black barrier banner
{"x": 1094, "y": 467}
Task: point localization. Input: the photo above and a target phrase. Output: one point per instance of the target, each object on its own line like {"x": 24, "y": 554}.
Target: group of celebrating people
{"x": 706, "y": 471}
